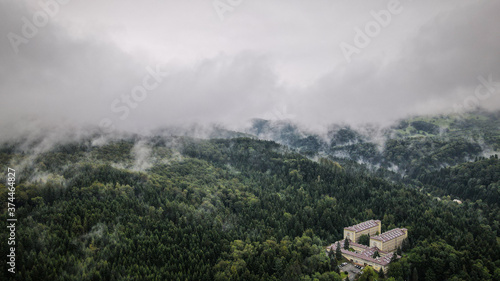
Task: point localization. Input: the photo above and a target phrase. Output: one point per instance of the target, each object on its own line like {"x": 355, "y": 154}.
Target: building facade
{"x": 384, "y": 244}
{"x": 390, "y": 240}
{"x": 371, "y": 227}
{"x": 363, "y": 255}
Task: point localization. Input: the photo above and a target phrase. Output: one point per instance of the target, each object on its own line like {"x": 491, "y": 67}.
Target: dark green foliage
{"x": 425, "y": 127}
{"x": 237, "y": 209}
{"x": 478, "y": 180}
{"x": 381, "y": 274}
{"x": 346, "y": 244}
{"x": 345, "y": 136}
{"x": 338, "y": 252}
{"x": 416, "y": 156}
{"x": 364, "y": 239}
{"x": 115, "y": 151}
{"x": 368, "y": 274}
{"x": 251, "y": 261}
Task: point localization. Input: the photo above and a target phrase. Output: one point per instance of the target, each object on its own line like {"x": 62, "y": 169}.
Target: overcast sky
{"x": 229, "y": 61}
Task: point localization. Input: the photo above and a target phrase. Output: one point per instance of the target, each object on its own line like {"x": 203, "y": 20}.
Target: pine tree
{"x": 346, "y": 244}
{"x": 414, "y": 275}
{"x": 338, "y": 252}
{"x": 381, "y": 273}
{"x": 336, "y": 269}
{"x": 405, "y": 245}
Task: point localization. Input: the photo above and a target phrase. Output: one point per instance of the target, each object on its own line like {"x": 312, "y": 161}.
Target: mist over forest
{"x": 86, "y": 68}
{"x": 236, "y": 140}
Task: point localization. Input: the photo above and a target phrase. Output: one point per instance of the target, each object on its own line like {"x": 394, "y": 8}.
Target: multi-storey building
{"x": 363, "y": 255}
{"x": 371, "y": 227}
{"x": 390, "y": 240}
{"x": 384, "y": 244}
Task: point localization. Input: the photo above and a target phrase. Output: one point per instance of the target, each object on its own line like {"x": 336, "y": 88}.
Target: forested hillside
{"x": 403, "y": 151}
{"x": 478, "y": 180}
{"x": 179, "y": 208}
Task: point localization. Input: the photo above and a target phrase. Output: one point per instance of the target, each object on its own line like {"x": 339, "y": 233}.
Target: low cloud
{"x": 63, "y": 80}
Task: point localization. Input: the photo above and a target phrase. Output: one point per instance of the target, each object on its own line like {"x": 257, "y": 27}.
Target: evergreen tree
{"x": 364, "y": 239}
{"x": 193, "y": 216}
{"x": 430, "y": 275}
{"x": 346, "y": 244}
{"x": 336, "y": 269}
{"x": 405, "y": 245}
{"x": 338, "y": 252}
{"x": 414, "y": 274}
{"x": 381, "y": 273}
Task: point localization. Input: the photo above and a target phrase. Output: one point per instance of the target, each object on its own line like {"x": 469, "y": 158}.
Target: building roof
{"x": 366, "y": 255}
{"x": 354, "y": 244}
{"x": 363, "y": 226}
{"x": 364, "y": 247}
{"x": 391, "y": 234}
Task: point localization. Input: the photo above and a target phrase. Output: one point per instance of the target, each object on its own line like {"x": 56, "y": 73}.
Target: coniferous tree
{"x": 414, "y": 274}
{"x": 381, "y": 273}
{"x": 197, "y": 236}
{"x": 338, "y": 252}
{"x": 405, "y": 245}
{"x": 336, "y": 269}
{"x": 364, "y": 239}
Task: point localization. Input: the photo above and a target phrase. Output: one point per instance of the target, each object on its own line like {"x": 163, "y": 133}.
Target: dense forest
{"x": 410, "y": 148}
{"x": 181, "y": 208}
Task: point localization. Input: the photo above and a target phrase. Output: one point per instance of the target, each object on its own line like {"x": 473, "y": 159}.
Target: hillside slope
{"x": 235, "y": 209}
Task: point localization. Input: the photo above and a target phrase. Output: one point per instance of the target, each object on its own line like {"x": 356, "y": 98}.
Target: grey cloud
{"x": 61, "y": 80}
{"x": 436, "y": 69}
